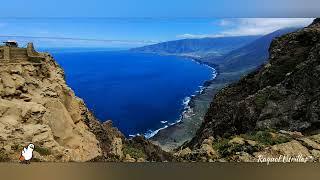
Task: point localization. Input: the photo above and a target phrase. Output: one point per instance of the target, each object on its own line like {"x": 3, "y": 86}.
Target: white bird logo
{"x": 27, "y": 153}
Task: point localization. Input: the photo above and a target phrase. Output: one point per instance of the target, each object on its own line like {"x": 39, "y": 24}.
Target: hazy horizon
{"x": 133, "y": 32}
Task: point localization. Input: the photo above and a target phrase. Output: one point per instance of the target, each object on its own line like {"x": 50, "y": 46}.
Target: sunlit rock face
{"x": 36, "y": 106}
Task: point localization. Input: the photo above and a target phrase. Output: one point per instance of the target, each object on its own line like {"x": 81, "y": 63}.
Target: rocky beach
{"x": 173, "y": 136}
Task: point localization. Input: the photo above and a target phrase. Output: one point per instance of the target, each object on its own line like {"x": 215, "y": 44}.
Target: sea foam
{"x": 185, "y": 102}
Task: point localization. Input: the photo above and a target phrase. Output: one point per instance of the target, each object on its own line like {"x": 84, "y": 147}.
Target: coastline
{"x": 187, "y": 102}
{"x": 172, "y": 136}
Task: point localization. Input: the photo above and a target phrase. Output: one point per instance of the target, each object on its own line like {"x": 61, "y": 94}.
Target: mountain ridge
{"x": 253, "y": 54}
{"x": 198, "y": 47}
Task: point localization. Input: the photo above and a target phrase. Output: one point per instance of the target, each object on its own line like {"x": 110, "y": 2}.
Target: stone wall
{"x": 16, "y": 54}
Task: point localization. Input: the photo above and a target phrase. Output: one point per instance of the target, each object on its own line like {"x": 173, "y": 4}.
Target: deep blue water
{"x": 136, "y": 91}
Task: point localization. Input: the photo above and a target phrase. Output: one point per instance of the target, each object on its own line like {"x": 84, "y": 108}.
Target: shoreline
{"x": 183, "y": 129}
{"x": 161, "y": 135}
{"x": 191, "y": 118}
{"x": 187, "y": 101}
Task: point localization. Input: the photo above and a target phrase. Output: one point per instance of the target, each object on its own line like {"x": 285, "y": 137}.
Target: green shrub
{"x": 226, "y": 149}
{"x": 260, "y": 100}
{"x": 42, "y": 151}
{"x": 262, "y": 138}
{"x": 17, "y": 147}
{"x": 134, "y": 152}
{"x": 222, "y": 146}
{"x": 266, "y": 138}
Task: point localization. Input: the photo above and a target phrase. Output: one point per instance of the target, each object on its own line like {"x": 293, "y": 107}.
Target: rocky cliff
{"x": 270, "y": 114}
{"x": 36, "y": 106}
{"x": 283, "y": 94}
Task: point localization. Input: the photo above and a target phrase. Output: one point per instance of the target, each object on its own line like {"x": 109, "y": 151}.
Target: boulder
{"x": 316, "y": 138}
{"x": 184, "y": 152}
{"x": 208, "y": 141}
{"x": 237, "y": 140}
{"x": 242, "y": 157}
{"x": 251, "y": 143}
{"x": 289, "y": 149}
{"x": 292, "y": 148}
{"x": 294, "y": 134}
{"x": 309, "y": 143}
{"x": 128, "y": 158}
{"x": 141, "y": 160}
{"x": 209, "y": 151}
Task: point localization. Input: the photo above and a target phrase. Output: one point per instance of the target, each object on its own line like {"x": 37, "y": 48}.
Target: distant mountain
{"x": 249, "y": 56}
{"x": 214, "y": 47}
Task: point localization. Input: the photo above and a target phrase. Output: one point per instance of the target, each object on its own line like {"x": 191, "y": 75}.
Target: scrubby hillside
{"x": 272, "y": 108}
{"x": 283, "y": 94}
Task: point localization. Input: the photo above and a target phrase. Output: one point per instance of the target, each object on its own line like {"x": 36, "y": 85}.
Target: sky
{"x": 133, "y": 32}
{"x": 134, "y": 23}
{"x": 159, "y": 8}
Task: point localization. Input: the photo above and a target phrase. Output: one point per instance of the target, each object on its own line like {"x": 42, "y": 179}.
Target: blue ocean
{"x": 139, "y": 92}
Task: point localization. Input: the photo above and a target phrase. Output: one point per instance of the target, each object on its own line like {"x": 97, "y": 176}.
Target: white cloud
{"x": 193, "y": 36}
{"x": 196, "y": 36}
{"x": 225, "y": 22}
{"x": 252, "y": 26}
{"x": 260, "y": 26}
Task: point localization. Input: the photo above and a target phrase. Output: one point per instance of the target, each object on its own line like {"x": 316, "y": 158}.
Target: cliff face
{"x": 36, "y": 106}
{"x": 283, "y": 94}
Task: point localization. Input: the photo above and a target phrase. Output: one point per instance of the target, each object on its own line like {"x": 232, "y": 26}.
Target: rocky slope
{"x": 36, "y": 106}
{"x": 281, "y": 95}
{"x": 270, "y": 114}
{"x": 265, "y": 146}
